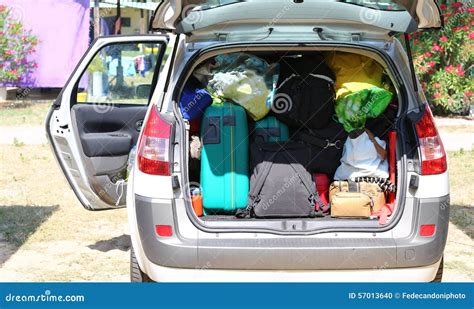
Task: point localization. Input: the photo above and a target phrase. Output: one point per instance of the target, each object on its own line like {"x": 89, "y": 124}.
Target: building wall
{"x": 62, "y": 27}
{"x": 133, "y": 14}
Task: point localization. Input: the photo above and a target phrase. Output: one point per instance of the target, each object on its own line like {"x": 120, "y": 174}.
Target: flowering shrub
{"x": 16, "y": 44}
{"x": 444, "y": 60}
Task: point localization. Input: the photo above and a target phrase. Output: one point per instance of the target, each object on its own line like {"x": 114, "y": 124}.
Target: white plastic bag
{"x": 360, "y": 159}
{"x": 247, "y": 89}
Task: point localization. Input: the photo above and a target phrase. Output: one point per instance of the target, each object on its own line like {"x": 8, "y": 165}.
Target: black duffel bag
{"x": 305, "y": 93}
{"x": 280, "y": 185}
{"x": 326, "y": 147}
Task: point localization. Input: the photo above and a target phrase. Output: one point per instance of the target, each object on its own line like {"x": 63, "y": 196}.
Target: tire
{"x": 136, "y": 274}
{"x": 439, "y": 273}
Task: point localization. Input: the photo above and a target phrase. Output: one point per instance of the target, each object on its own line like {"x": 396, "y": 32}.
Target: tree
{"x": 16, "y": 46}
{"x": 444, "y": 60}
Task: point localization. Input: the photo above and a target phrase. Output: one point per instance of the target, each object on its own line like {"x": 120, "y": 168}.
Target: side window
{"x": 121, "y": 73}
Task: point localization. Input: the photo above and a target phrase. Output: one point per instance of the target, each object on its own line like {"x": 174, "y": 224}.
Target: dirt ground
{"x": 45, "y": 235}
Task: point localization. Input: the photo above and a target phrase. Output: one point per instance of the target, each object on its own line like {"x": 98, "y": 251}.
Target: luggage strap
{"x": 319, "y": 76}
{"x": 316, "y": 141}
{"x": 254, "y": 197}
{"x": 255, "y": 190}
{"x": 310, "y": 187}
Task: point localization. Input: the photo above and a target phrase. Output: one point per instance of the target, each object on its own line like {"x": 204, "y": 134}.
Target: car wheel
{"x": 136, "y": 274}
{"x": 439, "y": 274}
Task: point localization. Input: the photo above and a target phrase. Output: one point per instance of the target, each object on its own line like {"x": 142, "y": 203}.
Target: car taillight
{"x": 153, "y": 152}
{"x": 433, "y": 156}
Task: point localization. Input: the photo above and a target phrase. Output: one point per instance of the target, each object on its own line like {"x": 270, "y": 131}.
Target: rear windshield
{"x": 209, "y": 4}
{"x": 378, "y": 5}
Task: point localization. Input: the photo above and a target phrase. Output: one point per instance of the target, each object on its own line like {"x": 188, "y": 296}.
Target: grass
{"x": 461, "y": 179}
{"x": 459, "y": 251}
{"x": 32, "y": 115}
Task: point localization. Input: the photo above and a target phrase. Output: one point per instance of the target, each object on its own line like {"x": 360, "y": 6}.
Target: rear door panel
{"x": 97, "y": 118}
{"x": 198, "y": 16}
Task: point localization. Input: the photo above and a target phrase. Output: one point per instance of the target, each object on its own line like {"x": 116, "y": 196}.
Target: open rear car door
{"x": 97, "y": 118}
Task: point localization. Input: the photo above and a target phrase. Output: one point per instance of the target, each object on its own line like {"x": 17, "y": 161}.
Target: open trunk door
{"x": 202, "y": 17}
{"x": 96, "y": 121}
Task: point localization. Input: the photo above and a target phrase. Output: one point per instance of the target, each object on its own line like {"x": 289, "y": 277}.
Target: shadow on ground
{"x": 17, "y": 223}
{"x": 120, "y": 242}
{"x": 463, "y": 217}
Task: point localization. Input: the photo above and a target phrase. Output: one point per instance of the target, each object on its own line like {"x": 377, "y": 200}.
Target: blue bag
{"x": 194, "y": 100}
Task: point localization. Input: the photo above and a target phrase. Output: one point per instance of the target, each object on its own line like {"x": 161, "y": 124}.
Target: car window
{"x": 209, "y": 4}
{"x": 119, "y": 74}
{"x": 378, "y": 5}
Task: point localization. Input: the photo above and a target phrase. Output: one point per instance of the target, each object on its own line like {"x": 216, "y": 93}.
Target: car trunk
{"x": 225, "y": 220}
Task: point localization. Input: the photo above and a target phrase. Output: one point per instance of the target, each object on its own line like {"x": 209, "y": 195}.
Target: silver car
{"x": 120, "y": 140}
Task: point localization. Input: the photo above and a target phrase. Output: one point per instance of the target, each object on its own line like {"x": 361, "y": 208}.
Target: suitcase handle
{"x": 212, "y": 131}
{"x": 261, "y": 134}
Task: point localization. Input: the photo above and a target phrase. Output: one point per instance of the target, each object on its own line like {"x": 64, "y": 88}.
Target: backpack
{"x": 280, "y": 185}
{"x": 305, "y": 92}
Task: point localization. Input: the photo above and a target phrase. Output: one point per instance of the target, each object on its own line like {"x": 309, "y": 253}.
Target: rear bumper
{"x": 193, "y": 249}
{"x": 415, "y": 274}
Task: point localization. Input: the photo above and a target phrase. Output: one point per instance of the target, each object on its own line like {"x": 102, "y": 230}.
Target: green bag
{"x": 354, "y": 107}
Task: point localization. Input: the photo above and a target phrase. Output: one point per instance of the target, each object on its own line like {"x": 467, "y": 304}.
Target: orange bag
{"x": 196, "y": 201}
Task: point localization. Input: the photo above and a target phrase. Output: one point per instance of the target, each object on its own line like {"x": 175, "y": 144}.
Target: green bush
{"x": 443, "y": 61}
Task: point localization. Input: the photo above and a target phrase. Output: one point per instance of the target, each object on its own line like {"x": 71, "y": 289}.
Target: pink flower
{"x": 471, "y": 35}
{"x": 468, "y": 94}
{"x": 449, "y": 68}
{"x": 442, "y": 7}
{"x": 437, "y": 95}
{"x": 428, "y": 54}
{"x": 437, "y": 86}
{"x": 443, "y": 39}
{"x": 14, "y": 72}
{"x": 456, "y": 5}
{"x": 2, "y": 8}
{"x": 436, "y": 48}
{"x": 431, "y": 64}
{"x": 470, "y": 9}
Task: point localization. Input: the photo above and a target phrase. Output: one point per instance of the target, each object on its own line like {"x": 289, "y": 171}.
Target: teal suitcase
{"x": 224, "y": 158}
{"x": 270, "y": 129}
